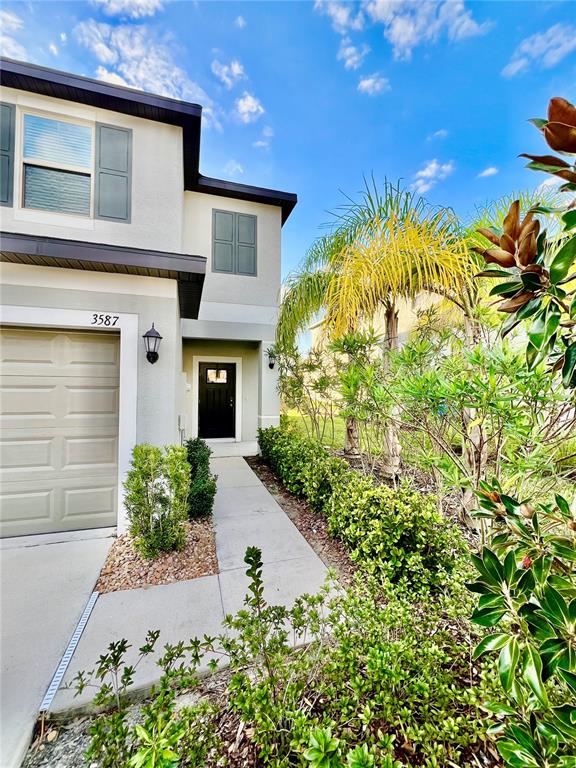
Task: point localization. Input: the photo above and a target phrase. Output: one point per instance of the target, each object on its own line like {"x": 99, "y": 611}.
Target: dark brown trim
{"x": 129, "y": 101}
{"x": 284, "y": 200}
{"x": 188, "y": 270}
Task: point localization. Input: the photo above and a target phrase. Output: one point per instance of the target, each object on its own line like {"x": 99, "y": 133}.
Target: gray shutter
{"x": 246, "y": 244}
{"x": 8, "y": 112}
{"x": 113, "y": 173}
{"x": 222, "y": 241}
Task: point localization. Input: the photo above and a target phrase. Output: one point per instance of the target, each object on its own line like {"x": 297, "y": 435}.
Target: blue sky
{"x": 309, "y": 96}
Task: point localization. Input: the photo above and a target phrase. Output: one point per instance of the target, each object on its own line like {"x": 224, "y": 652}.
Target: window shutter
{"x": 223, "y": 241}
{"x": 246, "y": 244}
{"x": 113, "y": 173}
{"x": 8, "y": 112}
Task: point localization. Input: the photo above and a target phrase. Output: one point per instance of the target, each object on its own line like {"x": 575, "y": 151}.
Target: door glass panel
{"x": 216, "y": 376}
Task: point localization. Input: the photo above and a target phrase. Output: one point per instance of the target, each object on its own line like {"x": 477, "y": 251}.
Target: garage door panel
{"x": 29, "y": 352}
{"x": 59, "y": 430}
{"x": 24, "y": 454}
{"x": 21, "y": 505}
{"x": 21, "y": 401}
{"x": 91, "y": 402}
{"x": 92, "y": 502}
{"x": 89, "y": 453}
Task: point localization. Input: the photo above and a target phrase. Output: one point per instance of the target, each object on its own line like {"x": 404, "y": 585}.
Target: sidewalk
{"x": 245, "y": 514}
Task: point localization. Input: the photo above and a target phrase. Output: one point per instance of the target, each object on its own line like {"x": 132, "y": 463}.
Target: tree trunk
{"x": 351, "y": 439}
{"x": 391, "y": 462}
{"x": 474, "y": 447}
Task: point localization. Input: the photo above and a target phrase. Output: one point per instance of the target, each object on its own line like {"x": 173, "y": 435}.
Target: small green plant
{"x": 156, "y": 491}
{"x": 202, "y": 482}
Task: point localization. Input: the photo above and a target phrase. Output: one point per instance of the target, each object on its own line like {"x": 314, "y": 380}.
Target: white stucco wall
{"x": 157, "y": 181}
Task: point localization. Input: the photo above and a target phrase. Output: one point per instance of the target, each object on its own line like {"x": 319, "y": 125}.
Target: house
{"x": 110, "y": 231}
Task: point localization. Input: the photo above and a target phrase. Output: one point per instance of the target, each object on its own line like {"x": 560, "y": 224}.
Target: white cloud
{"x": 63, "y": 38}
{"x": 442, "y": 133}
{"x": 248, "y": 108}
{"x": 374, "y": 84}
{"x": 131, "y": 9}
{"x": 131, "y": 55}
{"x": 490, "y": 171}
{"x": 264, "y": 142}
{"x": 343, "y": 15}
{"x": 240, "y": 22}
{"x": 233, "y": 168}
{"x": 228, "y": 73}
{"x": 544, "y": 49}
{"x": 53, "y": 48}
{"x": 351, "y": 55}
{"x": 428, "y": 176}
{"x": 408, "y": 24}
{"x": 9, "y": 45}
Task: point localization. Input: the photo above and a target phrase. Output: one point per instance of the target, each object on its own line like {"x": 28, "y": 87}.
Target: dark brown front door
{"x": 217, "y": 400}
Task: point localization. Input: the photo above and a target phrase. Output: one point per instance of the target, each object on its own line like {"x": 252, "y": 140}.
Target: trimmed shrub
{"x": 397, "y": 533}
{"x": 202, "y": 481}
{"x": 156, "y": 492}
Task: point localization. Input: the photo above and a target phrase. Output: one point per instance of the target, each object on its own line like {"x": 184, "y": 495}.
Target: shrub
{"x": 379, "y": 682}
{"x": 393, "y": 533}
{"x": 156, "y": 490}
{"x": 202, "y": 481}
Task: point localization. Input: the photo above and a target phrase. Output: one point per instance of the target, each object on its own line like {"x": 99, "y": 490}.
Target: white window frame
{"x": 23, "y": 161}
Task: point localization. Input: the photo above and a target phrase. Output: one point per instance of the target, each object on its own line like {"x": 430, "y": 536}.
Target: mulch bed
{"x": 311, "y": 525}
{"x": 126, "y": 569}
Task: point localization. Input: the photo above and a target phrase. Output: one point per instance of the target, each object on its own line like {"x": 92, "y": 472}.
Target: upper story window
{"x": 58, "y": 165}
{"x": 64, "y": 166}
{"x": 233, "y": 243}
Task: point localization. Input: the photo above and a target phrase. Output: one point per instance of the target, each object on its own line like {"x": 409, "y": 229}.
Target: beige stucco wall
{"x": 159, "y": 386}
{"x": 157, "y": 182}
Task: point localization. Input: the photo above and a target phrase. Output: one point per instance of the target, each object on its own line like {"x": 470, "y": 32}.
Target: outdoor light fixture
{"x": 271, "y": 357}
{"x": 152, "y": 341}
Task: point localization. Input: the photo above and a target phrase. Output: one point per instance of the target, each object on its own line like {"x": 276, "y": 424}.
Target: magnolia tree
{"x": 526, "y": 576}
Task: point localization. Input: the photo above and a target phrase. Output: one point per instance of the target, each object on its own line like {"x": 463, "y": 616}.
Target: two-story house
{"x": 110, "y": 231}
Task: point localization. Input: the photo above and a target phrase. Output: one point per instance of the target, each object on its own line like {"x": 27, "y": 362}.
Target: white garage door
{"x": 59, "y": 430}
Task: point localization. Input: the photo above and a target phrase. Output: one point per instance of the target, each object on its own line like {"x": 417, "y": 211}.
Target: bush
{"x": 202, "y": 481}
{"x": 395, "y": 533}
{"x": 156, "y": 490}
{"x": 379, "y": 681}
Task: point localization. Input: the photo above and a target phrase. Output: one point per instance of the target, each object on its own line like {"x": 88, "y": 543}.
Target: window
{"x": 57, "y": 165}
{"x": 216, "y": 376}
{"x": 233, "y": 243}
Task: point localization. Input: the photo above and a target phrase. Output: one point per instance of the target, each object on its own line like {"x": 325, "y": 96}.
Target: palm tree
{"x": 387, "y": 245}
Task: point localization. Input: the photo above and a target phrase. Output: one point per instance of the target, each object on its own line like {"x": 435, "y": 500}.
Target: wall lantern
{"x": 271, "y": 352}
{"x": 152, "y": 341}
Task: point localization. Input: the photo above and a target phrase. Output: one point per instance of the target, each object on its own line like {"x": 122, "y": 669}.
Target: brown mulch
{"x": 126, "y": 569}
{"x": 311, "y": 525}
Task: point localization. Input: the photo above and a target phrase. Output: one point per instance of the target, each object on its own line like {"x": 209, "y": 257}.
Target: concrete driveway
{"x": 43, "y": 590}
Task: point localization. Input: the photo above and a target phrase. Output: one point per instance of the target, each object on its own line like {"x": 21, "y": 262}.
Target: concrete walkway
{"x": 44, "y": 589}
{"x": 245, "y": 514}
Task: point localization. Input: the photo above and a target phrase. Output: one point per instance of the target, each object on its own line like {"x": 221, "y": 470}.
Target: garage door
{"x": 59, "y": 430}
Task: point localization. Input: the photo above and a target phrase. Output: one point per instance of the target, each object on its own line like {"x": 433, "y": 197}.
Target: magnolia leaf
{"x": 569, "y": 219}
{"x": 563, "y": 260}
{"x": 568, "y": 676}
{"x": 569, "y": 367}
{"x": 490, "y": 643}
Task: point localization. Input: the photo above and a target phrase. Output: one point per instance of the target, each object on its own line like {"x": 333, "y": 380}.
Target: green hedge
{"x": 397, "y": 533}
{"x": 202, "y": 481}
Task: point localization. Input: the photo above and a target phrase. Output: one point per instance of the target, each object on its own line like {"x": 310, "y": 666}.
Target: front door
{"x": 217, "y": 400}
